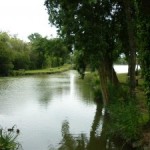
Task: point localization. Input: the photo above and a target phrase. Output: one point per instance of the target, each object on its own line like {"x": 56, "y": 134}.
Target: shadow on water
{"x": 81, "y": 141}
{"x": 97, "y": 139}
{"x": 47, "y": 88}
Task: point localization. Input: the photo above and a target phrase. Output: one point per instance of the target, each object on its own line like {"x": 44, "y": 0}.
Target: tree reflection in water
{"x": 69, "y": 142}
{"x": 96, "y": 140}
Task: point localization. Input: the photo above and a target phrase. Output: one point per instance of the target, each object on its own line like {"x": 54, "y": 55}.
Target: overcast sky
{"x": 24, "y": 17}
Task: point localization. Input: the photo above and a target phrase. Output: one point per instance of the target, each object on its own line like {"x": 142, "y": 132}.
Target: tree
{"x": 131, "y": 26}
{"x": 57, "y": 51}
{"x": 38, "y": 45}
{"x": 21, "y": 53}
{"x": 80, "y": 63}
{"x": 6, "y": 56}
{"x": 50, "y": 52}
{"x": 87, "y": 25}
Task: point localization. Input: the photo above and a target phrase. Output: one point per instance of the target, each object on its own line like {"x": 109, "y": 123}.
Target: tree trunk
{"x": 132, "y": 45}
{"x": 103, "y": 84}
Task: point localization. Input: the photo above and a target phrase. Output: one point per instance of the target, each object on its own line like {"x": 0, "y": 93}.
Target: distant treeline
{"x": 39, "y": 53}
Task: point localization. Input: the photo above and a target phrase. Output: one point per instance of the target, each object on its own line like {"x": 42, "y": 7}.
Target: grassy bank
{"x": 93, "y": 80}
{"x": 140, "y": 95}
{"x": 42, "y": 71}
{"x": 127, "y": 117}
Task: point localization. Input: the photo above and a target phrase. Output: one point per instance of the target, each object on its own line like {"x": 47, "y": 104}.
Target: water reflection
{"x": 39, "y": 104}
{"x": 80, "y": 90}
{"x": 97, "y": 138}
{"x": 69, "y": 141}
{"x": 47, "y": 88}
{"x": 65, "y": 85}
{"x": 82, "y": 141}
{"x": 52, "y": 109}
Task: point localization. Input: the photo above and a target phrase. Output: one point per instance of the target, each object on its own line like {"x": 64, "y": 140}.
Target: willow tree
{"x": 89, "y": 26}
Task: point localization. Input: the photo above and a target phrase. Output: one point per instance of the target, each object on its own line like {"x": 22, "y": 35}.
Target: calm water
{"x": 52, "y": 112}
{"x": 49, "y": 108}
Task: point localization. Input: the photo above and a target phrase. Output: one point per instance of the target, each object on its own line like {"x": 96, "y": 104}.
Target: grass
{"x": 42, "y": 71}
{"x": 140, "y": 96}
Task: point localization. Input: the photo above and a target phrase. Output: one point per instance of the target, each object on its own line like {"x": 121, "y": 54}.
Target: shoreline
{"x": 23, "y": 72}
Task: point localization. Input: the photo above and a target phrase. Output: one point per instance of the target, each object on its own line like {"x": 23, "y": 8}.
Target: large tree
{"x": 89, "y": 26}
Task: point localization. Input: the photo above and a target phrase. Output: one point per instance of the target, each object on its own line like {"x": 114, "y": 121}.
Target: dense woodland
{"x": 39, "y": 53}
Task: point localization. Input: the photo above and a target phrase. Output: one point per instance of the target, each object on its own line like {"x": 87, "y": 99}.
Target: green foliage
{"x": 86, "y": 26}
{"x": 49, "y": 52}
{"x": 124, "y": 115}
{"x": 38, "y": 54}
{"x": 8, "y": 140}
{"x": 93, "y": 80}
{"x": 79, "y": 61}
{"x": 6, "y": 69}
{"x": 5, "y": 55}
{"x": 91, "y": 28}
{"x": 14, "y": 54}
{"x": 58, "y": 52}
{"x": 21, "y": 53}
{"x": 144, "y": 51}
{"x": 21, "y": 61}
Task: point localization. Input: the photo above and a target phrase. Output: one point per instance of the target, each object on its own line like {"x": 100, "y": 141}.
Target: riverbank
{"x": 125, "y": 118}
{"x": 42, "y": 71}
{"x": 144, "y": 140}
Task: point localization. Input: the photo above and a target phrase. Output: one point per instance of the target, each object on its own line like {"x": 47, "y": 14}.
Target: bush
{"x": 6, "y": 69}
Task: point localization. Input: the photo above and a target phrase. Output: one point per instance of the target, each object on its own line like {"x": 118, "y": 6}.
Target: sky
{"x": 24, "y": 17}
